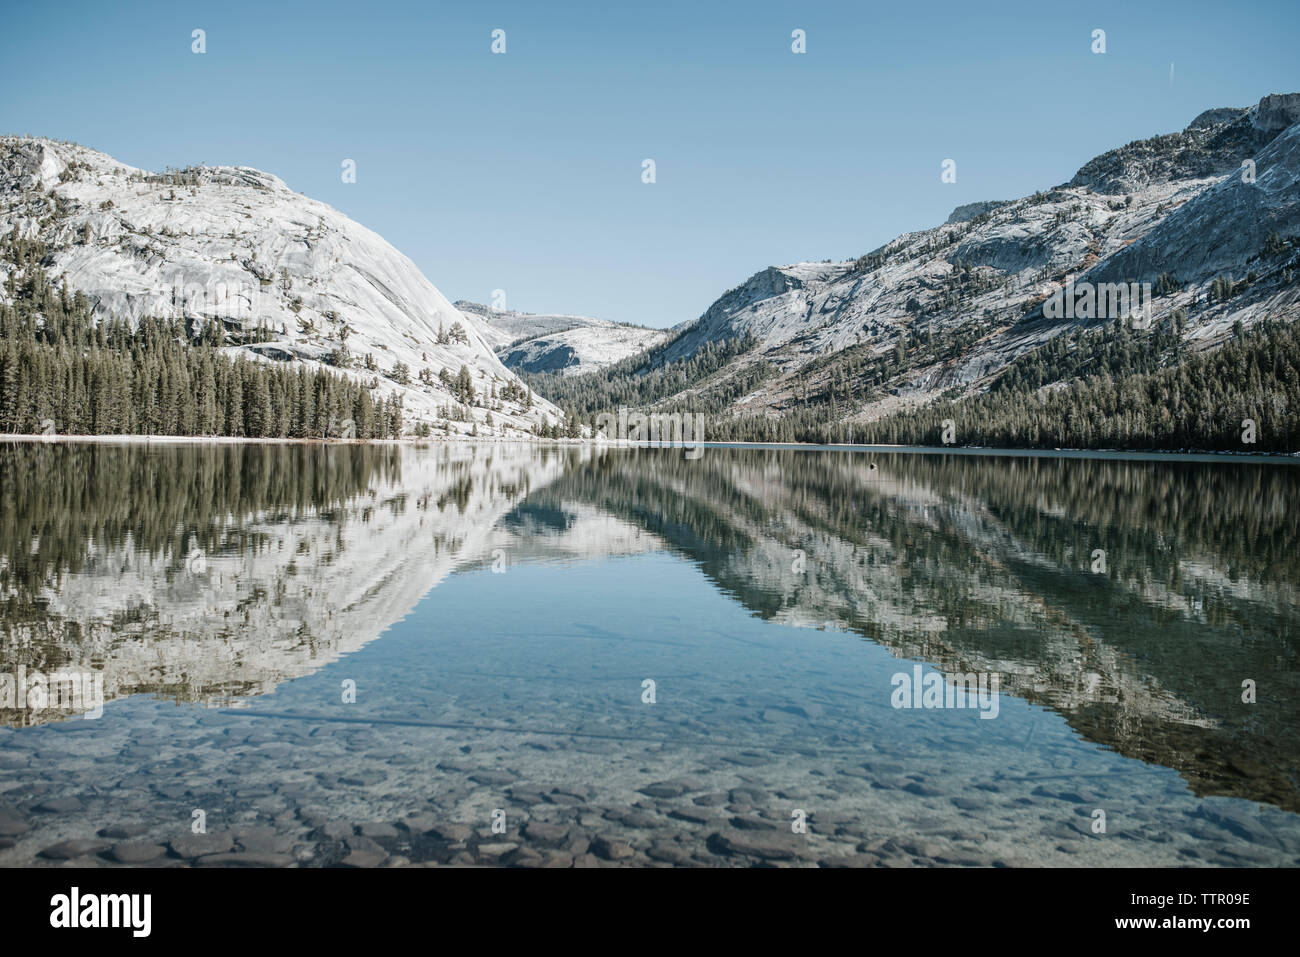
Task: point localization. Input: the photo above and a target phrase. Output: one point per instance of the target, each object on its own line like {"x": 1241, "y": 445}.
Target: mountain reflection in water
{"x": 1132, "y": 599}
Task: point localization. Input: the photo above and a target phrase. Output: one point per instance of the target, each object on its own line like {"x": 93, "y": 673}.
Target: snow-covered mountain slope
{"x": 993, "y": 266}
{"x": 584, "y": 349}
{"x": 287, "y": 277}
{"x": 1224, "y": 227}
{"x": 534, "y": 342}
{"x": 1180, "y": 205}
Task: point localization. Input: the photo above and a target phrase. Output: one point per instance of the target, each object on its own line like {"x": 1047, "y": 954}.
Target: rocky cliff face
{"x": 964, "y": 214}
{"x": 286, "y": 277}
{"x": 1226, "y": 227}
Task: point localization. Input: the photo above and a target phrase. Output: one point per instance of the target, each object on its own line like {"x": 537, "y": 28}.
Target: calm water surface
{"x": 549, "y": 657}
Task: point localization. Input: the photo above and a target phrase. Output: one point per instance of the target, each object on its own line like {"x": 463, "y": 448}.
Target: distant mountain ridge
{"x": 557, "y": 343}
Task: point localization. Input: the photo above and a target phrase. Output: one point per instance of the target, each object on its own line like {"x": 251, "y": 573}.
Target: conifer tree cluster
{"x": 63, "y": 371}
{"x": 1113, "y": 394}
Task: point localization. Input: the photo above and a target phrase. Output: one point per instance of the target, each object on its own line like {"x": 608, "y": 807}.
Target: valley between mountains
{"x": 948, "y": 335}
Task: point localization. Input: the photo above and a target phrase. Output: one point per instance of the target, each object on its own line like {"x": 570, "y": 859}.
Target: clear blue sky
{"x": 523, "y": 171}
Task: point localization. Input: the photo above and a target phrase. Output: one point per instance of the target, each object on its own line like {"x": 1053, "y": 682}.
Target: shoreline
{"x": 1153, "y": 455}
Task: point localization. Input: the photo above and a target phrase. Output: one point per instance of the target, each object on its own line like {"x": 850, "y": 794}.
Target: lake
{"x": 260, "y": 654}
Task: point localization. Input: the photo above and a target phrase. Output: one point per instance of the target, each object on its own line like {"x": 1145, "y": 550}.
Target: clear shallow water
{"x": 499, "y": 609}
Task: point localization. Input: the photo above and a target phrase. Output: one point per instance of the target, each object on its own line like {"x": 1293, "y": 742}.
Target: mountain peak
{"x": 964, "y": 214}
{"x": 1216, "y": 116}
{"x": 1212, "y": 145}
